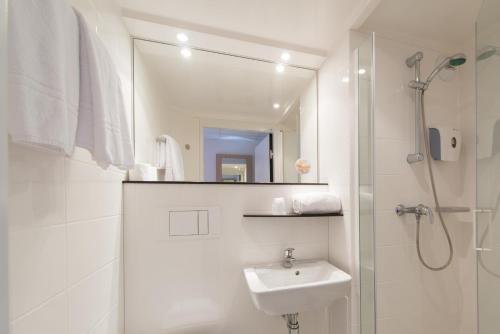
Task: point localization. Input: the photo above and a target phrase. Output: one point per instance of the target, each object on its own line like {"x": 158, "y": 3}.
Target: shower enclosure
{"x": 487, "y": 219}
{"x": 398, "y": 293}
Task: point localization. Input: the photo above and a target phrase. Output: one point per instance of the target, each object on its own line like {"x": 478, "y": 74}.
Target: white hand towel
{"x": 143, "y": 172}
{"x": 319, "y": 202}
{"x": 43, "y": 74}
{"x": 102, "y": 125}
{"x": 170, "y": 158}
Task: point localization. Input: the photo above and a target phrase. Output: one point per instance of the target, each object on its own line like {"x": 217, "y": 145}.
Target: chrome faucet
{"x": 419, "y": 210}
{"x": 289, "y": 259}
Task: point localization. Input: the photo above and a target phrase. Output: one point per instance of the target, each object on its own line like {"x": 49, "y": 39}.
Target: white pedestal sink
{"x": 307, "y": 285}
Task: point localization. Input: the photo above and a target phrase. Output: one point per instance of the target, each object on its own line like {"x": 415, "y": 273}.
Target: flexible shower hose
{"x": 436, "y": 200}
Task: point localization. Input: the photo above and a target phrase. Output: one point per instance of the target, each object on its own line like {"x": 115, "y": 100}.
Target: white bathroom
{"x": 223, "y": 167}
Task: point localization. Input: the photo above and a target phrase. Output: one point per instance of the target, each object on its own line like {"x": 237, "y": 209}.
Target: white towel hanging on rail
{"x": 43, "y": 74}
{"x": 169, "y": 158}
{"x": 102, "y": 126}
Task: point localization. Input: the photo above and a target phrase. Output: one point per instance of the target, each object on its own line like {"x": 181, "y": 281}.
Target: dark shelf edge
{"x": 264, "y": 215}
{"x": 226, "y": 183}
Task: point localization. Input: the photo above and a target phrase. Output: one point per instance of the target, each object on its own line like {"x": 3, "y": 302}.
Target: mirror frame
{"x": 135, "y": 39}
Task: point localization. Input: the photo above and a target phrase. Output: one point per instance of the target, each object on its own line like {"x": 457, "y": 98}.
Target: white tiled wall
{"x": 65, "y": 224}
{"x": 410, "y": 298}
{"x": 197, "y": 285}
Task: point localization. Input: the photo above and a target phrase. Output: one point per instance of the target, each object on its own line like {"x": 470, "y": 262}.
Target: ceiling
{"x": 307, "y": 25}
{"x": 313, "y": 26}
{"x": 211, "y": 85}
{"x": 447, "y": 23}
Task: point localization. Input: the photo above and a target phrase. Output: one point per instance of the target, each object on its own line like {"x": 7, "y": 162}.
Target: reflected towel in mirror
{"x": 169, "y": 158}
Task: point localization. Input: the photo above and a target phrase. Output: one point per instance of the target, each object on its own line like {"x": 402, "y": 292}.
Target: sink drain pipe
{"x": 292, "y": 322}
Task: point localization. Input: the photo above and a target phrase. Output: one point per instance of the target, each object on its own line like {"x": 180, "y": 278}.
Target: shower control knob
{"x": 400, "y": 210}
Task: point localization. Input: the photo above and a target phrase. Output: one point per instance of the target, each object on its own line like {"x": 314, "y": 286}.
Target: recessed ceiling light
{"x": 186, "y": 53}
{"x": 361, "y": 71}
{"x": 276, "y": 106}
{"x": 285, "y": 56}
{"x": 280, "y": 68}
{"x": 181, "y": 37}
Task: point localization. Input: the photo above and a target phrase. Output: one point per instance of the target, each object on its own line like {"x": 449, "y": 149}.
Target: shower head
{"x": 487, "y": 52}
{"x": 451, "y": 62}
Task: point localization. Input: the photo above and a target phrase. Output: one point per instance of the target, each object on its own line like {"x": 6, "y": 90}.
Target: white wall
{"x": 65, "y": 223}
{"x": 410, "y": 298}
{"x": 4, "y": 316}
{"x": 309, "y": 130}
{"x": 154, "y": 117}
{"x": 261, "y": 161}
{"x": 290, "y": 155}
{"x": 197, "y": 285}
{"x": 148, "y": 116}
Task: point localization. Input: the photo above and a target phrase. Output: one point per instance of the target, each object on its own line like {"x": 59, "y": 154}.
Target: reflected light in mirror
{"x": 285, "y": 56}
{"x": 181, "y": 37}
{"x": 280, "y": 68}
{"x": 362, "y": 71}
{"x": 276, "y": 106}
{"x": 186, "y": 53}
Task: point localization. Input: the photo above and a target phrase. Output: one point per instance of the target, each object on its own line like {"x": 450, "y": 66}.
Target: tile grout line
{"x": 38, "y": 307}
{"x": 93, "y": 273}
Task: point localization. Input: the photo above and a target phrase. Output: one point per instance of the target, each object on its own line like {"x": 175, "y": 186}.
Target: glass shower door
{"x": 487, "y": 219}
{"x": 364, "y": 58}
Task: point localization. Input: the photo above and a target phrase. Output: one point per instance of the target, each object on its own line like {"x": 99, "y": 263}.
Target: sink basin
{"x": 308, "y": 285}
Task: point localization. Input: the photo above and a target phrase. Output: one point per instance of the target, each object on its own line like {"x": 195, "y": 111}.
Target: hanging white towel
{"x": 102, "y": 125}
{"x": 170, "y": 158}
{"x": 43, "y": 74}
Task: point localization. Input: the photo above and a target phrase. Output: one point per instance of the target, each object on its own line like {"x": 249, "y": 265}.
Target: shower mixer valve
{"x": 419, "y": 210}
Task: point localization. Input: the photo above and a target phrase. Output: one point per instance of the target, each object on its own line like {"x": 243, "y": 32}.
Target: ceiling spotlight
{"x": 361, "y": 71}
{"x": 285, "y": 56}
{"x": 186, "y": 53}
{"x": 276, "y": 106}
{"x": 181, "y": 37}
{"x": 280, "y": 68}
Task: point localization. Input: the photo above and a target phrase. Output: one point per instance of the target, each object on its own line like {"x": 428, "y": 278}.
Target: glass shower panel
{"x": 488, "y": 166}
{"x": 365, "y": 163}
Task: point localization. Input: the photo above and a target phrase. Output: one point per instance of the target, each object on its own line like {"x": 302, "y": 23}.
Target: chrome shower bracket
{"x": 419, "y": 86}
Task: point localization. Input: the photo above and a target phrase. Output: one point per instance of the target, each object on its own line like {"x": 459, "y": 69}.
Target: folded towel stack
{"x": 318, "y": 202}
{"x": 143, "y": 172}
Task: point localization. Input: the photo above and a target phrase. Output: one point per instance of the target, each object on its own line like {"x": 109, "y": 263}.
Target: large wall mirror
{"x": 206, "y": 116}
